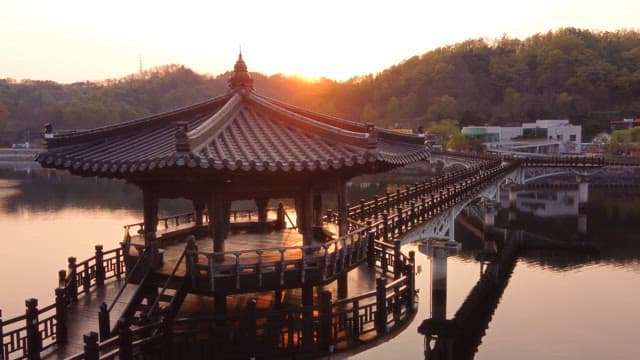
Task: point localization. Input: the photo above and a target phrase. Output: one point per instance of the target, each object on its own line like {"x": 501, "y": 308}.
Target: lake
{"x": 556, "y": 305}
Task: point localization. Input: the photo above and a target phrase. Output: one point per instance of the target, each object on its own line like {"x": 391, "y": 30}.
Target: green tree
{"x": 369, "y": 115}
{"x": 443, "y": 130}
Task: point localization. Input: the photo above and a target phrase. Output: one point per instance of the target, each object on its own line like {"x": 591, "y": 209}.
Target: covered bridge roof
{"x": 238, "y": 131}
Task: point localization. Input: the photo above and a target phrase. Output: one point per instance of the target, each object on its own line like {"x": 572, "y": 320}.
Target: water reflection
{"x": 459, "y": 337}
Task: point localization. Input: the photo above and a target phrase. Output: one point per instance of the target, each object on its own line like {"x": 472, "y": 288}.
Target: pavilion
{"x": 237, "y": 146}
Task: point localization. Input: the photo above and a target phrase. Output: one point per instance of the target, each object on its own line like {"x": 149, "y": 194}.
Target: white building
{"x": 540, "y": 137}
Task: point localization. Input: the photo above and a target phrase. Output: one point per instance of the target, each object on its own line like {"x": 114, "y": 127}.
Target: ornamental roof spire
{"x": 240, "y": 78}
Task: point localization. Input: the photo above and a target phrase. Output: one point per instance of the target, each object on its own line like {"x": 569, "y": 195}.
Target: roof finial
{"x": 241, "y": 77}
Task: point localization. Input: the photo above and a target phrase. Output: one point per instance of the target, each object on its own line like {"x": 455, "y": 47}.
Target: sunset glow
{"x": 83, "y": 40}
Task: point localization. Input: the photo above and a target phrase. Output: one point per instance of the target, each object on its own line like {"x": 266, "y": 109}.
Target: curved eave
{"x": 129, "y": 169}
{"x": 81, "y": 136}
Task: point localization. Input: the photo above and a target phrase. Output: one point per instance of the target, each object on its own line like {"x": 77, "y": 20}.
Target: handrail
{"x": 293, "y": 226}
{"x": 128, "y": 279}
{"x": 153, "y": 306}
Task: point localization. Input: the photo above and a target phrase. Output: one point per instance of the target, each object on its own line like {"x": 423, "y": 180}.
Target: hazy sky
{"x": 69, "y": 40}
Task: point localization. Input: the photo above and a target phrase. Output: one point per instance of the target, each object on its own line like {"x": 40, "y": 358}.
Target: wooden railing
{"x": 166, "y": 222}
{"x": 318, "y": 329}
{"x": 26, "y": 336}
{"x": 278, "y": 267}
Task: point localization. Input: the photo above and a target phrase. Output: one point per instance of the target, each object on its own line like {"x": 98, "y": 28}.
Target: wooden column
{"x": 343, "y": 228}
{"x": 342, "y": 208}
{"x": 150, "y": 208}
{"x": 261, "y": 203}
{"x": 317, "y": 210}
{"x": 198, "y": 207}
{"x": 304, "y": 213}
{"x": 216, "y": 222}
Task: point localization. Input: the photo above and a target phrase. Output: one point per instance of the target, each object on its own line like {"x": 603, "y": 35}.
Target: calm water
{"x": 557, "y": 304}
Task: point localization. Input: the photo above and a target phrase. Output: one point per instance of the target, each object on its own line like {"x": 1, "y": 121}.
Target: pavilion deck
{"x": 83, "y": 315}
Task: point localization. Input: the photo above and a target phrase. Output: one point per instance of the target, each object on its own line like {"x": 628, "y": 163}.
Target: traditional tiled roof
{"x": 239, "y": 131}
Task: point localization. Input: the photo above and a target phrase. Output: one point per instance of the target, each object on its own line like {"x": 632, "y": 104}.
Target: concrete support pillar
{"x": 513, "y": 197}
{"x": 439, "y": 285}
{"x": 490, "y": 211}
{"x": 452, "y": 226}
{"x": 583, "y": 193}
{"x": 582, "y": 224}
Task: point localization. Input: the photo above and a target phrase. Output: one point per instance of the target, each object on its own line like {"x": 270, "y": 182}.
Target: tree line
{"x": 589, "y": 77}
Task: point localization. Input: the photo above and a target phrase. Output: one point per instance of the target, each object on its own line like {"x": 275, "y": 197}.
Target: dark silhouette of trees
{"x": 586, "y": 76}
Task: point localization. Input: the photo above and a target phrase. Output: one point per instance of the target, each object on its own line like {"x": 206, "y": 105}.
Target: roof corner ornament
{"x": 372, "y": 136}
{"x": 241, "y": 79}
{"x": 182, "y": 139}
{"x": 48, "y": 131}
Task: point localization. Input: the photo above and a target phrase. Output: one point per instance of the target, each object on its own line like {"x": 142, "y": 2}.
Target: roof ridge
{"x": 213, "y": 125}
{"x": 354, "y": 125}
{"x": 319, "y": 128}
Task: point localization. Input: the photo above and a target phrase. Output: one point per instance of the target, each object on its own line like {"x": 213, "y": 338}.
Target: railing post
{"x": 398, "y": 197}
{"x": 325, "y": 320}
{"x": 384, "y": 261}
{"x": 91, "y": 349}
{"x": 34, "y": 342}
{"x": 72, "y": 287}
{"x": 355, "y": 317}
{"x": 411, "y": 281}
{"x": 62, "y": 278}
{"x": 397, "y": 262}
{"x": 251, "y": 328}
{"x": 362, "y": 214}
{"x": 381, "y": 305}
{"x": 385, "y": 227}
{"x": 100, "y": 273}
{"x": 119, "y": 255}
{"x": 400, "y": 222}
{"x": 61, "y": 316}
{"x": 125, "y": 340}
{"x": 397, "y": 309}
{"x": 412, "y": 219}
{"x": 376, "y": 211}
{"x": 371, "y": 250}
{"x": 103, "y": 322}
{"x": 388, "y": 202}
{"x": 192, "y": 261}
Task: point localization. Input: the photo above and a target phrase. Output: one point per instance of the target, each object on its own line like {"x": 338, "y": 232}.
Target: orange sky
{"x": 74, "y": 40}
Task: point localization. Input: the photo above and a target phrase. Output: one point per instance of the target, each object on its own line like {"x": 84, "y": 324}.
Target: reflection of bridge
{"x": 459, "y": 337}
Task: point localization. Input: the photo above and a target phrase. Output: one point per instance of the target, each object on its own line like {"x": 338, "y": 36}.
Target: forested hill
{"x": 588, "y": 77}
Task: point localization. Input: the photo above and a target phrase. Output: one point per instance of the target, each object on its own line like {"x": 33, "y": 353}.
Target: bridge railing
{"x": 375, "y": 207}
{"x": 26, "y": 336}
{"x": 571, "y": 161}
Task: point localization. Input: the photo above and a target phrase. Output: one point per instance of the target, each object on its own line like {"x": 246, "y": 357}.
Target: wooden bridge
{"x": 148, "y": 327}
